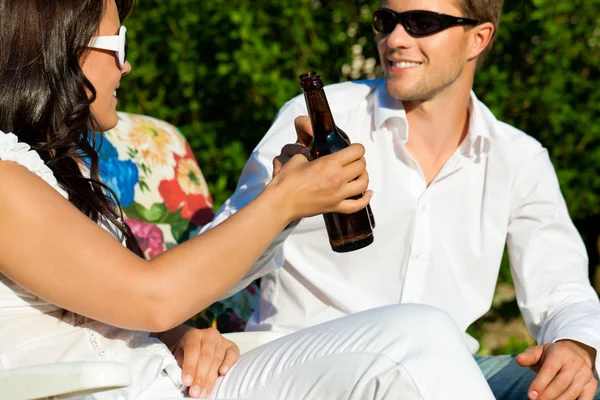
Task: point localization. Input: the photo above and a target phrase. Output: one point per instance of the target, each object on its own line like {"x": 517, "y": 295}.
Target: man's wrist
{"x": 587, "y": 352}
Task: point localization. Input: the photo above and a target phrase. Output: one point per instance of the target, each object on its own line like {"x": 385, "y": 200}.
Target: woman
{"x": 70, "y": 292}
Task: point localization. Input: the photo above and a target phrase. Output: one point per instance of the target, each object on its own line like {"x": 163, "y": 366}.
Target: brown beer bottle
{"x": 347, "y": 232}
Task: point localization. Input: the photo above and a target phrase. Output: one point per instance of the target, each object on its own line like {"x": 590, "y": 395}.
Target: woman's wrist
{"x": 279, "y": 204}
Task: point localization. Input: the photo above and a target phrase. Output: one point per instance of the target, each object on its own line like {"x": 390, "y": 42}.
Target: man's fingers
{"x": 589, "y": 390}
{"x": 303, "y": 130}
{"x": 291, "y": 150}
{"x": 287, "y": 152}
{"x": 278, "y": 163}
{"x": 547, "y": 373}
{"x": 561, "y": 383}
{"x": 530, "y": 356}
{"x": 575, "y": 389}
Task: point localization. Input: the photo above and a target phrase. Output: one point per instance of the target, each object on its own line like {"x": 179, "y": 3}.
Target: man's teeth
{"x": 115, "y": 93}
{"x": 404, "y": 64}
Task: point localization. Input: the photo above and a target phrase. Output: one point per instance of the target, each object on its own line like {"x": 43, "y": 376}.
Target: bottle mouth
{"x": 311, "y": 80}
{"x": 309, "y": 75}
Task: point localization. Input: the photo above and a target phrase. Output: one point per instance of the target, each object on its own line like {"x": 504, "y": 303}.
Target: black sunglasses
{"x": 418, "y": 22}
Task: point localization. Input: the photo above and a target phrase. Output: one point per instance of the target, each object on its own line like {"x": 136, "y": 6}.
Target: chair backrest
{"x": 151, "y": 168}
{"x": 165, "y": 199}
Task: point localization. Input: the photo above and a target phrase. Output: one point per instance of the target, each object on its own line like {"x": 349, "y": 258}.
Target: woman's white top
{"x": 35, "y": 332}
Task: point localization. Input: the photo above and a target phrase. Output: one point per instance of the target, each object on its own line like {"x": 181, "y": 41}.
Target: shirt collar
{"x": 386, "y": 108}
{"x": 477, "y": 142}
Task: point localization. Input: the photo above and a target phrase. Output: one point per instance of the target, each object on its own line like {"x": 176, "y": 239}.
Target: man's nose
{"x": 399, "y": 38}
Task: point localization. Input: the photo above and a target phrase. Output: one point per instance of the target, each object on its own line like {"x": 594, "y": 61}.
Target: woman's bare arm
{"x": 54, "y": 251}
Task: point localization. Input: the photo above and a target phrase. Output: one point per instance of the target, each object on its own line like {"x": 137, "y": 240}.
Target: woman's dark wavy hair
{"x": 43, "y": 98}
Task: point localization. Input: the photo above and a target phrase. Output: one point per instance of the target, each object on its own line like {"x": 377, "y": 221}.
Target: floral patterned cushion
{"x": 165, "y": 199}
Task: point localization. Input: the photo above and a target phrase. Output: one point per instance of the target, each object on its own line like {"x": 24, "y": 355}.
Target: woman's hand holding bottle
{"x": 323, "y": 185}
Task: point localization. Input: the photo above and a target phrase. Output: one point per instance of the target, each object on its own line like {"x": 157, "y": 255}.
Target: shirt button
{"x": 418, "y": 255}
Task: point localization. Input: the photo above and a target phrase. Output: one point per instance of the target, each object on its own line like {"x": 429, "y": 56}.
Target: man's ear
{"x": 481, "y": 36}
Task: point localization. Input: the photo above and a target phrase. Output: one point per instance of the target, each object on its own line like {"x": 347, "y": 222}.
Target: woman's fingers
{"x": 355, "y": 170}
{"x": 352, "y": 206}
{"x": 348, "y": 155}
{"x": 231, "y": 356}
{"x": 208, "y": 349}
{"x": 341, "y": 158}
{"x": 225, "y": 356}
{"x": 179, "y": 357}
{"x": 323, "y": 185}
{"x": 355, "y": 187}
{"x": 212, "y": 371}
{"x": 191, "y": 353}
{"x": 207, "y": 355}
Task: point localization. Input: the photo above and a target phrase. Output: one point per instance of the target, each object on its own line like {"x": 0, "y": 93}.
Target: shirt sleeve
{"x": 549, "y": 261}
{"x": 255, "y": 176}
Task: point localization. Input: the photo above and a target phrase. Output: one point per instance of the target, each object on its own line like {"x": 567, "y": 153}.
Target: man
{"x": 452, "y": 186}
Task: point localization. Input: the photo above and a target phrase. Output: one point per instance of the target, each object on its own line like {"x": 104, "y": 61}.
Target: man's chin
{"x": 405, "y": 93}
{"x": 401, "y": 94}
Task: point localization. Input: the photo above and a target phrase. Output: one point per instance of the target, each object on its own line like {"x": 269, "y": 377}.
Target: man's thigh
{"x": 507, "y": 379}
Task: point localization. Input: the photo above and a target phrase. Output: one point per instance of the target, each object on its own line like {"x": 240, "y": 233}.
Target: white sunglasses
{"x": 117, "y": 43}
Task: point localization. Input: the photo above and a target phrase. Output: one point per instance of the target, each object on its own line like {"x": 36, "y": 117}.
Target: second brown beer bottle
{"x": 347, "y": 232}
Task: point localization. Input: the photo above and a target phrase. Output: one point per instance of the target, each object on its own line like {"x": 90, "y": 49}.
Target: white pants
{"x": 396, "y": 352}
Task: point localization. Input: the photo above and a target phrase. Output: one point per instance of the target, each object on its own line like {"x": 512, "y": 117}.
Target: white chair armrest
{"x": 62, "y": 380}
{"x": 247, "y": 341}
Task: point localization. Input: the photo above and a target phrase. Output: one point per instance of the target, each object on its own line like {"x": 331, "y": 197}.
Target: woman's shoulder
{"x": 11, "y": 149}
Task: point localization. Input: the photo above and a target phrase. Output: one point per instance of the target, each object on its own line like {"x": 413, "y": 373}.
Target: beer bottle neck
{"x": 319, "y": 113}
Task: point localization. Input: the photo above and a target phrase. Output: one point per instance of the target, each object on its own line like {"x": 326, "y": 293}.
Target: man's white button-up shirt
{"x": 439, "y": 245}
